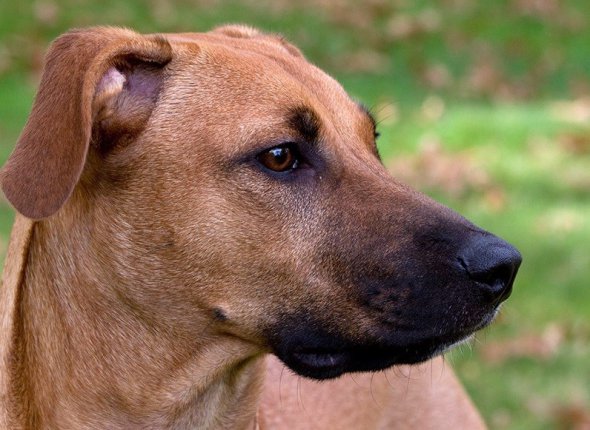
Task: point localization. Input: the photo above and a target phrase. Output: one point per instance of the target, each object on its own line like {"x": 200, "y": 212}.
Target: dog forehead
{"x": 256, "y": 80}
{"x": 259, "y": 62}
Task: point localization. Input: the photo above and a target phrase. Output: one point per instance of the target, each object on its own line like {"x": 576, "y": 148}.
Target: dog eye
{"x": 280, "y": 158}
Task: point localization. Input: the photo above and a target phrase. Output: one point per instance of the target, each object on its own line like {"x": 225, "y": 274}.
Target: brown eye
{"x": 280, "y": 158}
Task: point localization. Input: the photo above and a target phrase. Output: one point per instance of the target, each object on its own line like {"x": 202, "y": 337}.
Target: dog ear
{"x": 85, "y": 72}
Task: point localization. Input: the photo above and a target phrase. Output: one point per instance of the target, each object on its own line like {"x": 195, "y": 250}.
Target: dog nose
{"x": 492, "y": 263}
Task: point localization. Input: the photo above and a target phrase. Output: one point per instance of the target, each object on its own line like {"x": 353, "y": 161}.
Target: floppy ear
{"x": 85, "y": 72}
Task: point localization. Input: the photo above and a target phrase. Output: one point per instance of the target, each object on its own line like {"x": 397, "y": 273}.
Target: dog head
{"x": 230, "y": 182}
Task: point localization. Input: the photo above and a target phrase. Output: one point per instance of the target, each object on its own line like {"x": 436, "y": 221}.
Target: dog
{"x": 189, "y": 204}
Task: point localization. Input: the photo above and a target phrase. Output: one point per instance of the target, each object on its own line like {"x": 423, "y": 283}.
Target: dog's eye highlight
{"x": 280, "y": 158}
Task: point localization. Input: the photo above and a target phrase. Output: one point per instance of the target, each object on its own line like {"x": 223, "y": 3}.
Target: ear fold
{"x": 80, "y": 77}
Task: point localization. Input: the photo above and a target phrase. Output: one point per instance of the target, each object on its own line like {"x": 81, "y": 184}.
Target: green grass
{"x": 535, "y": 190}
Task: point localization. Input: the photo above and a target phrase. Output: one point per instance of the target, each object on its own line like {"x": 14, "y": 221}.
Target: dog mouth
{"x": 326, "y": 364}
{"x": 313, "y": 359}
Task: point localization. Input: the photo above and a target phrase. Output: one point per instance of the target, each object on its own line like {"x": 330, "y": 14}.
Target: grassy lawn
{"x": 486, "y": 107}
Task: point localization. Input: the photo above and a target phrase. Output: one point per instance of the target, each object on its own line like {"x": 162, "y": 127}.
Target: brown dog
{"x": 189, "y": 203}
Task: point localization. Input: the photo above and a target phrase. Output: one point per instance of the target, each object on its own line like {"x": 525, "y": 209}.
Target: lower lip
{"x": 319, "y": 363}
{"x": 320, "y": 360}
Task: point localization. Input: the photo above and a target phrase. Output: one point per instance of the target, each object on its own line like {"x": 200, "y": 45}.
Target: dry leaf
{"x": 577, "y": 111}
{"x": 531, "y": 345}
{"x": 572, "y": 417}
{"x": 432, "y": 168}
{"x": 46, "y": 12}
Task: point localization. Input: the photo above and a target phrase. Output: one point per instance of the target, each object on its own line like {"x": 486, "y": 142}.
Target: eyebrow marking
{"x": 305, "y": 121}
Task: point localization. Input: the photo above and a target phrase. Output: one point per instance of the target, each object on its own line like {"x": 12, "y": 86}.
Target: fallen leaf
{"x": 46, "y": 12}
{"x": 437, "y": 76}
{"x": 577, "y": 111}
{"x": 542, "y": 346}
{"x": 433, "y": 108}
{"x": 576, "y": 143}
{"x": 454, "y": 174}
{"x": 572, "y": 417}
{"x": 561, "y": 220}
{"x": 362, "y": 61}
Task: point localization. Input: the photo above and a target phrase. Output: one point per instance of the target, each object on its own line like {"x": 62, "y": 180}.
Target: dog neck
{"x": 76, "y": 353}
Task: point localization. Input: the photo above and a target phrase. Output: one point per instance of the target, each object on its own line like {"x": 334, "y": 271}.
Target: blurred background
{"x": 484, "y": 105}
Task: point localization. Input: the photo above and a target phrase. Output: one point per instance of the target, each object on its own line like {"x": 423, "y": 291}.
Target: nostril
{"x": 494, "y": 275}
{"x": 497, "y": 280}
{"x": 493, "y": 264}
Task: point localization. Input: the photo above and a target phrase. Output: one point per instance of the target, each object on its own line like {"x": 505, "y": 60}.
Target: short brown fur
{"x": 148, "y": 267}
